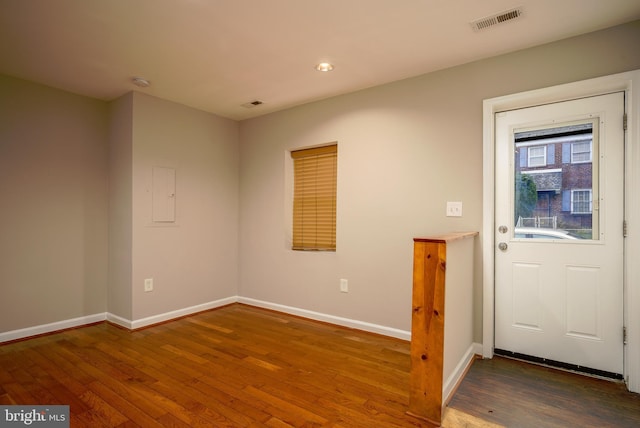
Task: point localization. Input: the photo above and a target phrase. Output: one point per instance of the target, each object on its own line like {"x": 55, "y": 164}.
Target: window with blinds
{"x": 314, "y": 198}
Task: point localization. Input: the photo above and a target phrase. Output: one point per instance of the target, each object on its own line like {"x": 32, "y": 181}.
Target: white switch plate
{"x": 148, "y": 284}
{"x": 344, "y": 286}
{"x": 454, "y": 209}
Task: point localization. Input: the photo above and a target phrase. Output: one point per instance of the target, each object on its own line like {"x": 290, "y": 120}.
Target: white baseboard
{"x": 450, "y": 384}
{"x": 345, "y": 322}
{"x": 107, "y": 316}
{"x": 167, "y": 316}
{"x": 51, "y": 327}
{"x": 122, "y": 322}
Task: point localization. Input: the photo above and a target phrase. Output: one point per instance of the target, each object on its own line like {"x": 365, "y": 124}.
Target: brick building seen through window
{"x": 559, "y": 161}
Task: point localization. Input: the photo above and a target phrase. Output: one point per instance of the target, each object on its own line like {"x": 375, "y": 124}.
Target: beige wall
{"x": 76, "y": 233}
{"x": 404, "y": 149}
{"x": 53, "y": 220}
{"x": 120, "y": 206}
{"x": 194, "y": 260}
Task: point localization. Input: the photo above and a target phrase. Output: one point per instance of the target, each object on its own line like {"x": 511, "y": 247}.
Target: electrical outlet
{"x": 148, "y": 284}
{"x": 454, "y": 209}
{"x": 344, "y": 286}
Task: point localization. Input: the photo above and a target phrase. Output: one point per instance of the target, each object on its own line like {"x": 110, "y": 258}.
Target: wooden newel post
{"x": 428, "y": 327}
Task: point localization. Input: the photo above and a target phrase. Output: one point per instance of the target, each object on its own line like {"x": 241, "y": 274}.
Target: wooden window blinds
{"x": 314, "y": 198}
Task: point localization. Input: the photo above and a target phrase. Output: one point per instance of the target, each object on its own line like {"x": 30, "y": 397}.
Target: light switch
{"x": 454, "y": 209}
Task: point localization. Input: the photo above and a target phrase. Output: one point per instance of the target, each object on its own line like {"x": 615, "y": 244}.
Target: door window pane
{"x": 556, "y": 182}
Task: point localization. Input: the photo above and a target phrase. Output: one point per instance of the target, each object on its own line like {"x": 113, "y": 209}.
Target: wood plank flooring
{"x": 236, "y": 366}
{"x": 240, "y": 366}
{"x": 517, "y": 394}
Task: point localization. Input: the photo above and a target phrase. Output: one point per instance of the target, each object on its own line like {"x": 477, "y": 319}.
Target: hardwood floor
{"x": 240, "y": 366}
{"x": 231, "y": 367}
{"x": 518, "y": 394}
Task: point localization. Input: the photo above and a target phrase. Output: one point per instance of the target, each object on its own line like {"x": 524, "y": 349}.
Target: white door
{"x": 559, "y": 233}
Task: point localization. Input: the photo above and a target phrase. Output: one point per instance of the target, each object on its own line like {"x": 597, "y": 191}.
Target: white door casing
{"x": 629, "y": 82}
{"x": 561, "y": 299}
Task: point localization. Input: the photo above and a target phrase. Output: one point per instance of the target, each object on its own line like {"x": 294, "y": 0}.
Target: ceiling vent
{"x": 490, "y": 21}
{"x": 252, "y": 104}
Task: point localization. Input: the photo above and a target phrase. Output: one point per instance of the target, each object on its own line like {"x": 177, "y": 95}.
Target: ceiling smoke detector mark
{"x": 140, "y": 82}
{"x": 252, "y": 104}
{"x": 490, "y": 21}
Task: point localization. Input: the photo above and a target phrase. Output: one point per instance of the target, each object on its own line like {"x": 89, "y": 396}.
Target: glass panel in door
{"x": 555, "y": 190}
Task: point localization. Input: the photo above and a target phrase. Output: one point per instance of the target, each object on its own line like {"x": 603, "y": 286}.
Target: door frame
{"x": 631, "y": 286}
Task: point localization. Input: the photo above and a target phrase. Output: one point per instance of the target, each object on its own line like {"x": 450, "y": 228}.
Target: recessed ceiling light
{"x": 324, "y": 66}
{"x": 140, "y": 82}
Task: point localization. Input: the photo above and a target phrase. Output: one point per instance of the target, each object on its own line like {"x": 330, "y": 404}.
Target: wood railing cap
{"x": 448, "y": 237}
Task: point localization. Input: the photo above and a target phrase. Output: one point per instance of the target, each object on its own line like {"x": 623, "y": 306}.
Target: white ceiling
{"x": 216, "y": 55}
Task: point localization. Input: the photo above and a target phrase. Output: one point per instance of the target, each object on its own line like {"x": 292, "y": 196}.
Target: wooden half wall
{"x": 442, "y": 321}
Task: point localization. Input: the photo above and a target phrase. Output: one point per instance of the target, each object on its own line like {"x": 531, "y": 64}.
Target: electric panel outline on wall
{"x": 163, "y": 195}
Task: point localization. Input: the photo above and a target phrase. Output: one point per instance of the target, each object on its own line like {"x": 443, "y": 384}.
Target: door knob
{"x": 503, "y": 246}
{"x": 503, "y": 229}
